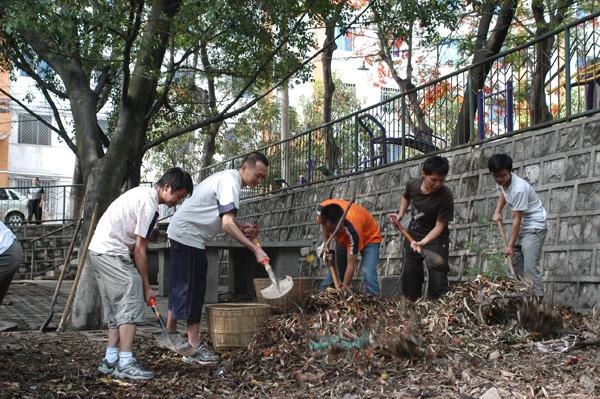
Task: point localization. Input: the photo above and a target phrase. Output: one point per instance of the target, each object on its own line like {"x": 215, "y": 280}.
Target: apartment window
{"x": 346, "y": 41}
{"x": 33, "y": 131}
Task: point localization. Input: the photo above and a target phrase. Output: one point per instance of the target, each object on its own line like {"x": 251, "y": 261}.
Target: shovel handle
{"x": 503, "y": 237}
{"x": 404, "y": 232}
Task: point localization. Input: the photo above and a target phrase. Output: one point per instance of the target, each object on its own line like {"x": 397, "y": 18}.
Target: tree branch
{"x": 62, "y": 133}
{"x": 135, "y": 21}
{"x": 225, "y": 115}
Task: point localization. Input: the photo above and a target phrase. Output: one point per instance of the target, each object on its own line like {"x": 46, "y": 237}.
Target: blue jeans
{"x": 368, "y": 264}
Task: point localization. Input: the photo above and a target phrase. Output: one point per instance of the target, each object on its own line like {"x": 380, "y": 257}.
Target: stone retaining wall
{"x": 563, "y": 164}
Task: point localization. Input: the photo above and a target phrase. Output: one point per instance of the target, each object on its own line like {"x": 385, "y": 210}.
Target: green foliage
{"x": 257, "y": 127}
{"x": 344, "y": 102}
{"x": 496, "y": 266}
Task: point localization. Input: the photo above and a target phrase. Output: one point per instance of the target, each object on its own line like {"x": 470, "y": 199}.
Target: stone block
{"x": 589, "y": 296}
{"x": 463, "y": 236}
{"x": 453, "y": 186}
{"x": 487, "y": 185}
{"x": 469, "y": 186}
{"x": 461, "y": 164}
{"x": 591, "y": 229}
{"x": 570, "y": 230}
{"x": 544, "y": 144}
{"x": 461, "y": 212}
{"x": 531, "y": 173}
{"x": 569, "y": 138}
{"x": 522, "y": 149}
{"x": 555, "y": 264}
{"x": 578, "y": 166}
{"x": 479, "y": 211}
{"x": 591, "y": 134}
{"x": 455, "y": 263}
{"x": 410, "y": 172}
{"x": 580, "y": 262}
{"x": 554, "y": 170}
{"x": 553, "y": 229}
{"x": 588, "y": 197}
{"x": 565, "y": 293}
{"x": 560, "y": 199}
{"x": 597, "y": 164}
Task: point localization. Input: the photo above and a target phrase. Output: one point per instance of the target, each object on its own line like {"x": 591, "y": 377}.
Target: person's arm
{"x": 350, "y": 268}
{"x": 42, "y": 199}
{"x": 432, "y": 235}
{"x": 404, "y": 203}
{"x": 140, "y": 258}
{"x": 231, "y": 228}
{"x": 514, "y": 233}
{"x": 499, "y": 206}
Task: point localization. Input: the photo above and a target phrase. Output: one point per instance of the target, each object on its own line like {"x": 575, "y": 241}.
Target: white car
{"x": 13, "y": 206}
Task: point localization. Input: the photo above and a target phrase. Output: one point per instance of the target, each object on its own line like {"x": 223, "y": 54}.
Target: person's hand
{"x": 148, "y": 293}
{"x": 497, "y": 217}
{"x": 250, "y": 231}
{"x": 395, "y": 217}
{"x": 509, "y": 250}
{"x": 261, "y": 256}
{"x": 41, "y": 205}
{"x": 416, "y": 246}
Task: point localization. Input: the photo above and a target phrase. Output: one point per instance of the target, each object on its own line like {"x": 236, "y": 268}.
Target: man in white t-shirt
{"x": 529, "y": 225}
{"x": 11, "y": 255}
{"x": 211, "y": 209}
{"x": 117, "y": 253}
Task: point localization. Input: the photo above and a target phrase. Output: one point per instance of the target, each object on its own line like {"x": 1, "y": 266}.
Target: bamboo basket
{"x": 232, "y": 325}
{"x": 292, "y": 300}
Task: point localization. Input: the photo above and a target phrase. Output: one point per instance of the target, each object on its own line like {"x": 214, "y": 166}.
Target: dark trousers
{"x": 413, "y": 274}
{"x": 33, "y": 209}
{"x": 9, "y": 260}
{"x": 187, "y": 285}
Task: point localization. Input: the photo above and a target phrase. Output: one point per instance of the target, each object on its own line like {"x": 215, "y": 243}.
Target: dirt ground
{"x": 63, "y": 365}
{"x": 441, "y": 349}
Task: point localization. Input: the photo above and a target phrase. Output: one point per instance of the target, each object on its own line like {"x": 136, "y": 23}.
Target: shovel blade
{"x": 435, "y": 261}
{"x": 275, "y": 292}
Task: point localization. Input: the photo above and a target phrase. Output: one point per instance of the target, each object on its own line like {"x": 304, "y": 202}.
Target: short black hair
{"x": 436, "y": 164}
{"x": 331, "y": 213}
{"x": 178, "y": 179}
{"x": 499, "y": 162}
{"x": 254, "y": 157}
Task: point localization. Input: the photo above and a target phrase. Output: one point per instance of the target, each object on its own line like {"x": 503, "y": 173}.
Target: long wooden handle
{"x": 64, "y": 269}
{"x": 82, "y": 257}
{"x": 333, "y": 265}
{"x": 503, "y": 237}
{"x": 403, "y": 230}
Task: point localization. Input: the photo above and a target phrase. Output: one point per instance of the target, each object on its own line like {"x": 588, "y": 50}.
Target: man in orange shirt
{"x": 359, "y": 233}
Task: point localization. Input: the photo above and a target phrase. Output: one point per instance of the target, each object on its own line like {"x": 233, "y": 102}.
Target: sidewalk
{"x": 27, "y": 304}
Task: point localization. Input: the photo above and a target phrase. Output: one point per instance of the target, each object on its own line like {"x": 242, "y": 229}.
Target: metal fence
{"x": 522, "y": 89}
{"x": 59, "y": 203}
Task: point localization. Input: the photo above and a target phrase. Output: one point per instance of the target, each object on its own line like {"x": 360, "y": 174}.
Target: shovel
{"x": 433, "y": 260}
{"x": 164, "y": 332}
{"x": 278, "y": 288}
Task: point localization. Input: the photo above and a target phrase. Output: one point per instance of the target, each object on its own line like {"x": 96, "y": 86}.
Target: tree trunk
{"x": 76, "y": 197}
{"x": 538, "y": 108}
{"x": 331, "y": 148}
{"x": 105, "y": 176}
{"x": 477, "y": 75}
{"x": 209, "y": 102}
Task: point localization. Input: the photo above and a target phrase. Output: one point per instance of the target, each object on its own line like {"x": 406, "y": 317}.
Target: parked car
{"x": 13, "y": 206}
